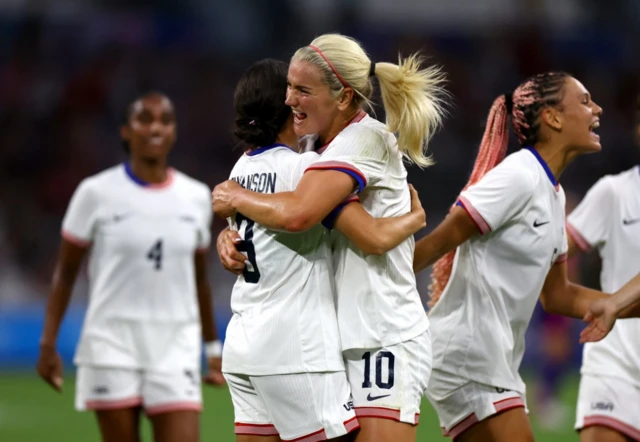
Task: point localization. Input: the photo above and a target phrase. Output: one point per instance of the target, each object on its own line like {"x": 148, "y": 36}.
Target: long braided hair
{"x": 524, "y": 106}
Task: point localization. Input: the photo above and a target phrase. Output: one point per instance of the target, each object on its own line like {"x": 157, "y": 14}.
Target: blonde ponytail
{"x": 413, "y": 100}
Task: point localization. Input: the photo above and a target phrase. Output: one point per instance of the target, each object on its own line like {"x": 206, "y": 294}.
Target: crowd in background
{"x": 66, "y": 76}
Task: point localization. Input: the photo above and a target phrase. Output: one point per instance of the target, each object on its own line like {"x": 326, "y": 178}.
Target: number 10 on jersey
{"x": 383, "y": 356}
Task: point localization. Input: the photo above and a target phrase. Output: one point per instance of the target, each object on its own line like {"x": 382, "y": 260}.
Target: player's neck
{"x": 149, "y": 171}
{"x": 557, "y": 159}
{"x": 337, "y": 126}
{"x": 288, "y": 137}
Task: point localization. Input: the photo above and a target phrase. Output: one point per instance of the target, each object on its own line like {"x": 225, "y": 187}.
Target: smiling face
{"x": 579, "y": 116}
{"x": 315, "y": 106}
{"x": 151, "y": 128}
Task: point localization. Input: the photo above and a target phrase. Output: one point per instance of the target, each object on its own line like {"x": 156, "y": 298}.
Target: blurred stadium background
{"x": 68, "y": 68}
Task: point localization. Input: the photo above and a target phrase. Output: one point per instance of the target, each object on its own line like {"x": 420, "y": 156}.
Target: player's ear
{"x": 125, "y": 132}
{"x": 553, "y": 118}
{"x": 345, "y": 99}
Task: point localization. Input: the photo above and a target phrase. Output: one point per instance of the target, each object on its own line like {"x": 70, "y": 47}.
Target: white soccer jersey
{"x": 608, "y": 218}
{"x": 142, "y": 241}
{"x": 378, "y": 302}
{"x": 284, "y": 318}
{"x": 478, "y": 325}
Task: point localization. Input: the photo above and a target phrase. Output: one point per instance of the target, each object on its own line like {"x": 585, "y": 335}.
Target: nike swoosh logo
{"x": 373, "y": 398}
{"x": 537, "y": 224}
{"x": 627, "y": 222}
{"x": 119, "y": 217}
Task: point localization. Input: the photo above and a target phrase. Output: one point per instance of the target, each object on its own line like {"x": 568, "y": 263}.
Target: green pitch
{"x": 32, "y": 412}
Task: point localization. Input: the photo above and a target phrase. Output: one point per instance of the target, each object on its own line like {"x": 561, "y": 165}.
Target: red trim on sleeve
{"x": 562, "y": 258}
{"x": 337, "y": 165}
{"x": 75, "y": 240}
{"x": 582, "y": 243}
{"x": 480, "y": 222}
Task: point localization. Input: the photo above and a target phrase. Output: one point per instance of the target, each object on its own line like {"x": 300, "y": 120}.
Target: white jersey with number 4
{"x": 479, "y": 323}
{"x": 142, "y": 241}
{"x": 284, "y": 318}
{"x": 378, "y": 302}
{"x": 608, "y": 218}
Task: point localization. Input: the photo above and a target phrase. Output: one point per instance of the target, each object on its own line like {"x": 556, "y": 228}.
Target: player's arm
{"x": 563, "y": 297}
{"x": 376, "y": 236}
{"x": 69, "y": 259}
{"x": 499, "y": 197}
{"x": 213, "y": 347}
{"x": 602, "y": 313}
{"x": 588, "y": 225}
{"x": 454, "y": 230}
{"x": 627, "y": 299}
{"x": 230, "y": 258}
{"x": 317, "y": 194}
{"x": 573, "y": 247}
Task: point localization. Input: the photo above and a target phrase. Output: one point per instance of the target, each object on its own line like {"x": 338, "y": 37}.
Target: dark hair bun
{"x": 259, "y": 102}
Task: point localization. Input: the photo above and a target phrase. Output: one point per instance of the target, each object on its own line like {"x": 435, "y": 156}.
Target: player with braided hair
{"x": 501, "y": 247}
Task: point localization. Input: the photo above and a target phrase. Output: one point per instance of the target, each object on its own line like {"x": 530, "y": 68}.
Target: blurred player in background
{"x": 282, "y": 355}
{"x": 383, "y": 328}
{"x": 508, "y": 228}
{"x": 145, "y": 228}
{"x": 608, "y": 218}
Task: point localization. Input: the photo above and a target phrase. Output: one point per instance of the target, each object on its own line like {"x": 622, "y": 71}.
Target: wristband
{"x": 213, "y": 349}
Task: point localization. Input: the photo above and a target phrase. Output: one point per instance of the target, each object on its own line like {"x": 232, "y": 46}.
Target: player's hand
{"x": 231, "y": 259}
{"x": 214, "y": 372}
{"x": 416, "y": 206}
{"x": 50, "y": 366}
{"x": 222, "y": 198}
{"x": 601, "y": 318}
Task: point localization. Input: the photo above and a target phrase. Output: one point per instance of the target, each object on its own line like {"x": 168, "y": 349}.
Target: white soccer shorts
{"x": 108, "y": 388}
{"x": 609, "y": 402}
{"x": 389, "y": 382}
{"x": 305, "y": 407}
{"x": 461, "y": 403}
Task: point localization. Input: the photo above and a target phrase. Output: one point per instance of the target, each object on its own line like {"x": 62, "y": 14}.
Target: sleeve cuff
{"x": 478, "y": 220}
{"x": 578, "y": 239}
{"x": 562, "y": 258}
{"x": 330, "y": 219}
{"x": 347, "y": 168}
{"x": 75, "y": 239}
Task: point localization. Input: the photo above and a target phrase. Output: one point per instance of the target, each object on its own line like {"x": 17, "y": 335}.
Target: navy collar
{"x": 133, "y": 177}
{"x": 140, "y": 182}
{"x": 544, "y": 165}
{"x": 260, "y": 150}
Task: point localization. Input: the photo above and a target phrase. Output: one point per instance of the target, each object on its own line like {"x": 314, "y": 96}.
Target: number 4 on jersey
{"x": 155, "y": 254}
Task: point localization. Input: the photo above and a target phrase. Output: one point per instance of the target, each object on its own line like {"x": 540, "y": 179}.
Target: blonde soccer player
{"x": 282, "y": 354}
{"x": 384, "y": 331}
{"x": 144, "y": 228}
